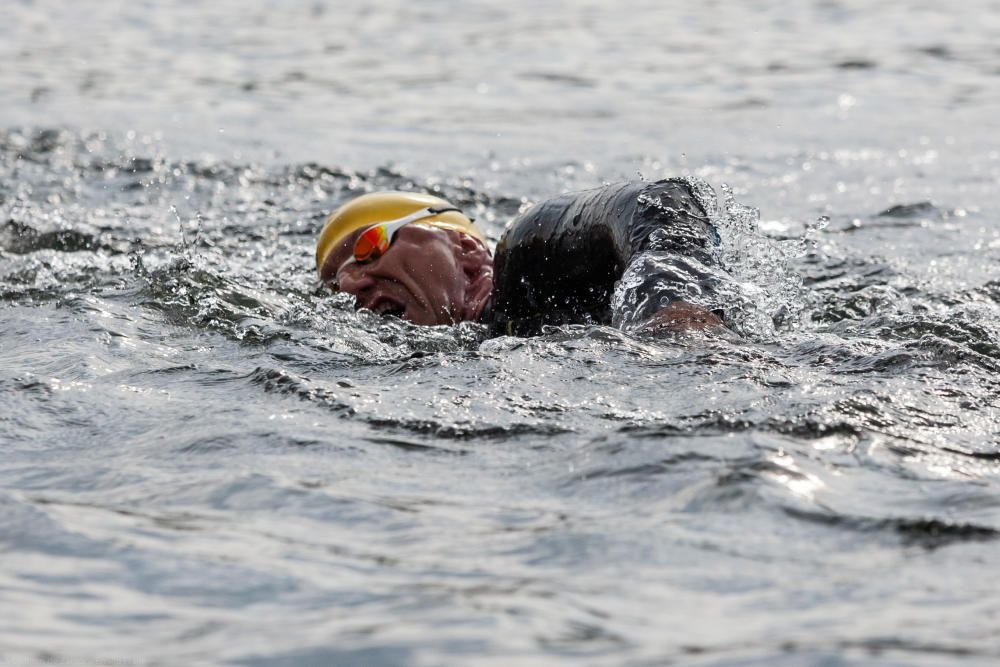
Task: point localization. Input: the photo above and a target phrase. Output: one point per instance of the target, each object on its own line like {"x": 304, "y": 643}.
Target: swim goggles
{"x": 376, "y": 239}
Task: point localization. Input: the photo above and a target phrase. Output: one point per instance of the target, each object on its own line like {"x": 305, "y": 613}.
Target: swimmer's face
{"x": 427, "y": 276}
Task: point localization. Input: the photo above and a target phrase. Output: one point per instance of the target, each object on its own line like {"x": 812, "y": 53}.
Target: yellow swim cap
{"x": 375, "y": 207}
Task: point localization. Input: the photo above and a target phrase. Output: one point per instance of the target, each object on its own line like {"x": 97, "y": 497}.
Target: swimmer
{"x": 417, "y": 257}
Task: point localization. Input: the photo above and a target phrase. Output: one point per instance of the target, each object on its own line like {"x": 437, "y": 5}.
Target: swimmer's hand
{"x": 681, "y": 316}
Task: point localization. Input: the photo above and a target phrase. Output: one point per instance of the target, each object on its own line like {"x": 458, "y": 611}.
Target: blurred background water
{"x": 208, "y": 460}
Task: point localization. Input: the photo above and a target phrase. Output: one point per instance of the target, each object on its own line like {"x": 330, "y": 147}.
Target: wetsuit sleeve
{"x": 674, "y": 257}
{"x": 564, "y": 260}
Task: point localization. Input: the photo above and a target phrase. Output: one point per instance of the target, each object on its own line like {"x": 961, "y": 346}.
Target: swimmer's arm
{"x": 681, "y": 316}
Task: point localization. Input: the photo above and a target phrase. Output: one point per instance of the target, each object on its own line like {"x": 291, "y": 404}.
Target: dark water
{"x": 209, "y": 460}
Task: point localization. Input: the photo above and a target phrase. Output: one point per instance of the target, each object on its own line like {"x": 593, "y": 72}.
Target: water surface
{"x": 209, "y": 460}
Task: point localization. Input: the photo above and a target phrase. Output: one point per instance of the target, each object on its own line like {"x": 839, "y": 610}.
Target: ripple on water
{"x": 200, "y": 439}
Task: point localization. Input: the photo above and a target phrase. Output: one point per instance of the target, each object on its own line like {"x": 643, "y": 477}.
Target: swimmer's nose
{"x": 355, "y": 281}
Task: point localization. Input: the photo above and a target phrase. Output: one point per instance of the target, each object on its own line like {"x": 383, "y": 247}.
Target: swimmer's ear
{"x": 477, "y": 265}
{"x": 473, "y": 256}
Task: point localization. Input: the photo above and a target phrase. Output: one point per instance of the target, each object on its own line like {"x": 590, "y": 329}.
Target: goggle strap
{"x": 392, "y": 226}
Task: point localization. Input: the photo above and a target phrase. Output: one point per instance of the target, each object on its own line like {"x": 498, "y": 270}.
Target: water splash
{"x": 759, "y": 289}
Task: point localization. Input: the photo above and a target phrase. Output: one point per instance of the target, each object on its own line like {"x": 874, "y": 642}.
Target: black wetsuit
{"x": 559, "y": 262}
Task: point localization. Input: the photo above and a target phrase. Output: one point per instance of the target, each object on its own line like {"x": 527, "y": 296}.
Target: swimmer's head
{"x": 407, "y": 254}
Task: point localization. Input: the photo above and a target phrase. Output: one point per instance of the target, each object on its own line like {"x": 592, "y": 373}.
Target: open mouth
{"x": 388, "y": 308}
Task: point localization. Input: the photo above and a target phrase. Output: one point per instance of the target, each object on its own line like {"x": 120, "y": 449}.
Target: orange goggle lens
{"x": 371, "y": 244}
